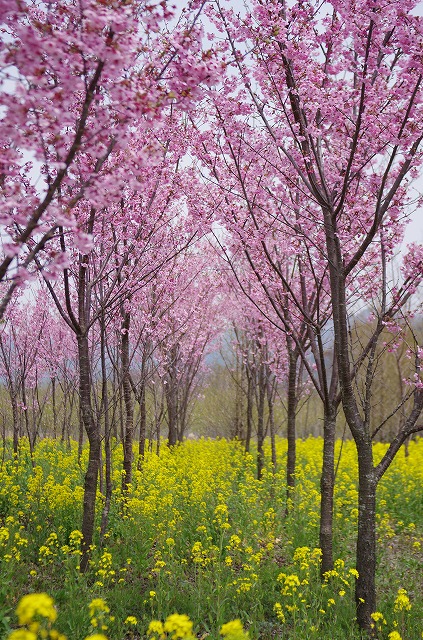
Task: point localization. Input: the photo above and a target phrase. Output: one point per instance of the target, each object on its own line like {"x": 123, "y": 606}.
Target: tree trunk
{"x": 80, "y": 433}
{"x": 157, "y": 438}
{"x": 64, "y": 421}
{"x": 249, "y": 411}
{"x": 31, "y": 433}
{"x": 109, "y": 487}
{"x": 100, "y": 472}
{"x": 171, "y": 417}
{"x": 182, "y": 413}
{"x": 260, "y": 421}
{"x": 270, "y": 404}
{"x": 115, "y": 393}
{"x": 53, "y": 400}
{"x": 365, "y": 591}
{"x": 143, "y": 425}
{"x": 129, "y": 408}
{"x": 292, "y": 402}
{"x": 16, "y": 426}
{"x": 171, "y": 393}
{"x": 91, "y": 476}
{"x": 327, "y": 484}
{"x": 237, "y": 430}
{"x": 107, "y": 444}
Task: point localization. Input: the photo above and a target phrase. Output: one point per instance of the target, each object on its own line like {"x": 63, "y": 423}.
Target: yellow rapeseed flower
{"x": 155, "y": 626}
{"x": 377, "y": 616}
{"x": 234, "y": 630}
{"x": 279, "y": 612}
{"x": 22, "y": 634}
{"x": 180, "y": 626}
{"x": 35, "y": 605}
{"x": 55, "y": 635}
{"x": 97, "y": 605}
{"x": 402, "y": 602}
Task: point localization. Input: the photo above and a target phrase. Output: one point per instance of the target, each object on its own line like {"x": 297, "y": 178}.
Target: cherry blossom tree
{"x": 76, "y": 77}
{"x": 87, "y": 88}
{"x": 335, "y": 88}
{"x": 259, "y": 358}
{"x": 22, "y": 367}
{"x": 134, "y": 239}
{"x": 281, "y": 253}
{"x": 190, "y": 323}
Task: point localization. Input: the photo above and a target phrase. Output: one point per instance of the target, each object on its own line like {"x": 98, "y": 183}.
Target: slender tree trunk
{"x": 53, "y": 400}
{"x": 157, "y": 438}
{"x": 15, "y": 418}
{"x": 237, "y": 431}
{"x": 270, "y": 404}
{"x": 327, "y": 484}
{"x": 292, "y": 402}
{"x": 4, "y": 435}
{"x": 80, "y": 434}
{"x": 64, "y": 421}
{"x": 260, "y": 421}
{"x": 143, "y": 425}
{"x": 69, "y": 423}
{"x": 182, "y": 416}
{"x": 115, "y": 383}
{"x": 109, "y": 487}
{"x": 171, "y": 393}
{"x": 107, "y": 444}
{"x": 171, "y": 416}
{"x": 90, "y": 487}
{"x": 101, "y": 473}
{"x": 129, "y": 407}
{"x": 158, "y": 417}
{"x": 365, "y": 592}
{"x": 91, "y": 475}
{"x": 249, "y": 411}
{"x": 121, "y": 418}
{"x": 30, "y": 433}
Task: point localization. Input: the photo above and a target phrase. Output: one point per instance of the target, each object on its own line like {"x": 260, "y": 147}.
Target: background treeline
{"x": 219, "y": 397}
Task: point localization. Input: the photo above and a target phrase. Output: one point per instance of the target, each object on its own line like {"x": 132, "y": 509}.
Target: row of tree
{"x": 155, "y": 191}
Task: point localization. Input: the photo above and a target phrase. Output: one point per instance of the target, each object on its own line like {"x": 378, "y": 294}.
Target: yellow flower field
{"x": 199, "y": 538}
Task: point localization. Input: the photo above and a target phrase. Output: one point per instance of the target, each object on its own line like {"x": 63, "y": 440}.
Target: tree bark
{"x": 271, "y": 387}
{"x": 107, "y": 444}
{"x": 16, "y": 425}
{"x": 365, "y": 592}
{"x": 91, "y": 476}
{"x": 143, "y": 425}
{"x": 129, "y": 408}
{"x": 292, "y": 402}
{"x": 80, "y": 433}
{"x": 53, "y": 399}
{"x": 260, "y": 420}
{"x": 171, "y": 393}
{"x": 327, "y": 484}
{"x": 249, "y": 410}
{"x": 237, "y": 431}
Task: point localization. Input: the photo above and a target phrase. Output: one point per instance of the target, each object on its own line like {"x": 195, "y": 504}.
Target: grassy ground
{"x": 202, "y": 537}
